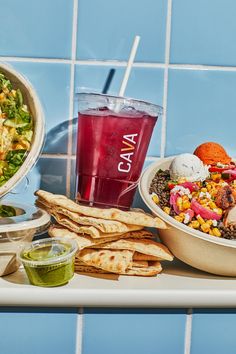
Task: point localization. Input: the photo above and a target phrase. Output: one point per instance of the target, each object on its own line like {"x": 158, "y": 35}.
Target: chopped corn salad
{"x": 16, "y": 129}
{"x": 200, "y": 205}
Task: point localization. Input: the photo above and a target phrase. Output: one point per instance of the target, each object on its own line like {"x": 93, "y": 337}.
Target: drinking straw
{"x": 128, "y": 70}
{"x": 108, "y": 81}
{"x": 129, "y": 65}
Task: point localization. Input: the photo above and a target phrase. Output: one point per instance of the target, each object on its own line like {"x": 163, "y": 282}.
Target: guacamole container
{"x": 50, "y": 261}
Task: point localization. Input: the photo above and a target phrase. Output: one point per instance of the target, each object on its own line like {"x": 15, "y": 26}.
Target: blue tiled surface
{"x": 133, "y": 331}
{"x": 48, "y": 174}
{"x": 213, "y": 331}
{"x": 203, "y": 32}
{"x": 201, "y": 107}
{"x": 53, "y": 175}
{"x": 144, "y": 83}
{"x": 52, "y": 84}
{"x": 27, "y": 331}
{"x": 36, "y": 28}
{"x": 106, "y": 29}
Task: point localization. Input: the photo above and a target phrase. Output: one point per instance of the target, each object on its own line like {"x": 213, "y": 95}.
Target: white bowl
{"x": 208, "y": 253}
{"x": 31, "y": 99}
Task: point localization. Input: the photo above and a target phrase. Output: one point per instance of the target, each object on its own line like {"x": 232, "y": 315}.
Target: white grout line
{"x": 119, "y": 63}
{"x": 73, "y": 157}
{"x": 79, "y": 331}
{"x": 71, "y": 104}
{"x": 202, "y": 67}
{"x": 188, "y": 332}
{"x": 166, "y": 71}
{"x": 36, "y": 60}
{"x": 54, "y": 156}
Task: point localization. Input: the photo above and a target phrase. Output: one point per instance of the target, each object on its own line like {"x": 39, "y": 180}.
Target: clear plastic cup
{"x": 112, "y": 142}
{"x": 49, "y": 261}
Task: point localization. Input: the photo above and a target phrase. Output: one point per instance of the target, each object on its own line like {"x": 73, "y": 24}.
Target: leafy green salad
{"x": 16, "y": 129}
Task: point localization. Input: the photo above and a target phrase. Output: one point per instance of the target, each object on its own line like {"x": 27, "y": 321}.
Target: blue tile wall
{"x": 27, "y": 331}
{"x": 203, "y": 32}
{"x": 213, "y": 331}
{"x": 52, "y": 84}
{"x": 39, "y": 29}
{"x": 200, "y": 108}
{"x": 186, "y": 62}
{"x": 106, "y": 29}
{"x": 133, "y": 331}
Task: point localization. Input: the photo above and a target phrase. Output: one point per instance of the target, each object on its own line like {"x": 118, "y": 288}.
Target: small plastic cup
{"x": 49, "y": 261}
{"x": 113, "y": 137}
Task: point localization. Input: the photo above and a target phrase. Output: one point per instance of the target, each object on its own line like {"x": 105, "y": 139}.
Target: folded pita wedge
{"x": 148, "y": 247}
{"x": 106, "y": 226}
{"x": 85, "y": 241}
{"x": 128, "y": 217}
{"x": 139, "y": 264}
{"x": 152, "y": 269}
{"x": 80, "y": 229}
{"x": 108, "y": 260}
{"x": 145, "y": 257}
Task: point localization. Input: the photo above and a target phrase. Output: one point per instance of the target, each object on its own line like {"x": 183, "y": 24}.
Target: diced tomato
{"x": 214, "y": 168}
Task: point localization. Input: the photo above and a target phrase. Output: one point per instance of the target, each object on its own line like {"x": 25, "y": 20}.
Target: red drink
{"x": 111, "y": 150}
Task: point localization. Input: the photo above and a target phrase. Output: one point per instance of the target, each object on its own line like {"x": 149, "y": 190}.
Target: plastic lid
{"x": 48, "y": 251}
{"x": 27, "y": 217}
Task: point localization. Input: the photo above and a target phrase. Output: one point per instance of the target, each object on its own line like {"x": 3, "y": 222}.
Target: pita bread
{"x": 108, "y": 260}
{"x": 153, "y": 269}
{"x": 83, "y": 230}
{"x": 148, "y": 247}
{"x": 87, "y": 241}
{"x": 145, "y": 257}
{"x": 128, "y": 217}
{"x": 106, "y": 226}
{"x": 139, "y": 264}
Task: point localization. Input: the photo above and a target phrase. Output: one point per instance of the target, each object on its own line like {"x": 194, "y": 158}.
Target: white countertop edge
{"x": 118, "y": 298}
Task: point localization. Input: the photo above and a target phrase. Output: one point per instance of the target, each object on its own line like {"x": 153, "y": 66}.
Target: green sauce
{"x": 49, "y": 274}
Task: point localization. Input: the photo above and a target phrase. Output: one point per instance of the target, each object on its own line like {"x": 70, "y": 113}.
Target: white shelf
{"x": 177, "y": 286}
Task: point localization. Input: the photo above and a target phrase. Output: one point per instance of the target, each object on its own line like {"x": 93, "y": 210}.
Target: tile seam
{"x": 73, "y": 157}
{"x": 79, "y": 331}
{"x": 188, "y": 332}
{"x": 200, "y": 67}
{"x": 71, "y": 100}
{"x": 166, "y": 71}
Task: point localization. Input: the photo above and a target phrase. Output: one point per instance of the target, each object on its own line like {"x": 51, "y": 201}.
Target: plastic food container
{"x": 49, "y": 262}
{"x": 208, "y": 253}
{"x": 17, "y": 231}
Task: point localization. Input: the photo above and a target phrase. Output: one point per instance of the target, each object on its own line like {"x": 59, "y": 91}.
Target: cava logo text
{"x": 127, "y": 151}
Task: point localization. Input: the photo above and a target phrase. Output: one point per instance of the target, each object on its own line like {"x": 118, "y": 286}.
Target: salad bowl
{"x": 208, "y": 253}
{"x": 29, "y": 99}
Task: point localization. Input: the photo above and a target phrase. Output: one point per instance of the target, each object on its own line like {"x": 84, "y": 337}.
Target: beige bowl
{"x": 31, "y": 99}
{"x": 208, "y": 253}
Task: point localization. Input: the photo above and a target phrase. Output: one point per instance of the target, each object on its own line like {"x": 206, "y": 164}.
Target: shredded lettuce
{"x": 7, "y": 211}
{"x": 16, "y": 129}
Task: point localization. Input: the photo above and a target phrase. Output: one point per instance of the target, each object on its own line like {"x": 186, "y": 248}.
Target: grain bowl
{"x": 205, "y": 252}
